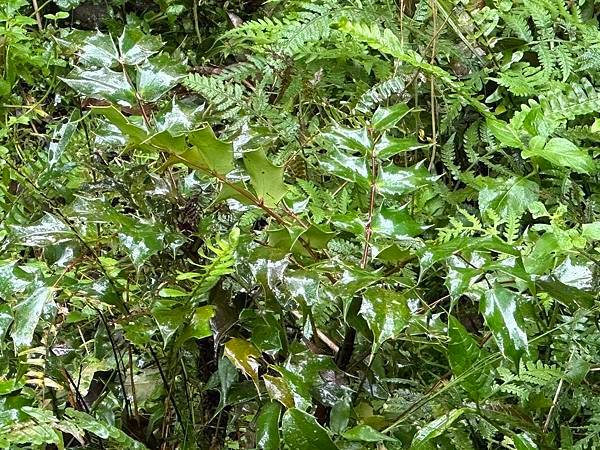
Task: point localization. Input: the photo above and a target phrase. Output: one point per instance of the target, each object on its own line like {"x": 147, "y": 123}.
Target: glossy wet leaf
{"x": 365, "y": 433}
{"x": 135, "y": 46}
{"x": 386, "y": 117}
{"x": 390, "y": 146}
{"x": 27, "y": 314}
{"x": 435, "y": 428}
{"x": 6, "y": 319}
{"x": 501, "y": 310}
{"x": 279, "y": 390}
{"x": 570, "y": 296}
{"x": 49, "y": 230}
{"x": 350, "y": 140}
{"x": 158, "y": 76}
{"x": 339, "y": 417}
{"x": 99, "y": 50}
{"x": 102, "y": 84}
{"x": 349, "y": 168}
{"x": 266, "y": 178}
{"x": 302, "y": 432}
{"x": 199, "y": 324}
{"x": 396, "y": 223}
{"x": 386, "y": 312}
{"x": 464, "y": 354}
{"x": 394, "y": 180}
{"x": 267, "y": 427}
{"x": 563, "y": 153}
{"x": 244, "y": 356}
{"x": 508, "y": 197}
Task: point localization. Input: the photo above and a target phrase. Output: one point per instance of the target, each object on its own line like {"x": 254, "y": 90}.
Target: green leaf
{"x": 158, "y": 76}
{"x": 365, "y": 433}
{"x": 391, "y": 146}
{"x": 523, "y": 441}
{"x": 49, "y": 230}
{"x": 349, "y": 168}
{"x": 352, "y": 140}
{"x": 386, "y": 312}
{"x": 591, "y": 231}
{"x": 387, "y": 117}
{"x": 508, "y": 197}
{"x": 267, "y": 427}
{"x": 199, "y": 326}
{"x": 505, "y": 133}
{"x": 340, "y": 415}
{"x": 98, "y": 50}
{"x": 569, "y": 296}
{"x": 463, "y": 355}
{"x": 27, "y": 314}
{"x": 208, "y": 152}
{"x": 135, "y": 47}
{"x": 394, "y": 180}
{"x": 396, "y": 223}
{"x": 501, "y": 310}
{"x": 6, "y": 319}
{"x": 302, "y": 432}
{"x": 244, "y": 356}
{"x": 435, "y": 428}
{"x": 563, "y": 153}
{"x": 103, "y": 84}
{"x": 266, "y": 178}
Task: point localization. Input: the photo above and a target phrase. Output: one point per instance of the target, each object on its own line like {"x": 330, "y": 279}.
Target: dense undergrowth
{"x": 328, "y": 224}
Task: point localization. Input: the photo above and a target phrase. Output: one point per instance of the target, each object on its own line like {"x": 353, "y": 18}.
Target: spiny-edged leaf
{"x": 569, "y": 296}
{"x": 435, "y": 429}
{"x": 99, "y": 50}
{"x": 386, "y": 117}
{"x": 267, "y": 427}
{"x": 505, "y": 133}
{"x": 135, "y": 132}
{"x": 27, "y": 314}
{"x": 394, "y": 180}
{"x": 349, "y": 139}
{"x": 390, "y": 146}
{"x": 523, "y": 441}
{"x": 365, "y": 433}
{"x": 591, "y": 231}
{"x": 49, "y": 230}
{"x": 508, "y": 197}
{"x": 563, "y": 153}
{"x": 301, "y": 431}
{"x": 102, "y": 84}
{"x": 169, "y": 316}
{"x": 135, "y": 46}
{"x": 463, "y": 354}
{"x": 157, "y": 76}
{"x": 349, "y": 168}
{"x": 142, "y": 241}
{"x": 396, "y": 223}
{"x": 501, "y": 310}
{"x": 6, "y": 319}
{"x": 266, "y": 178}
{"x": 208, "y": 152}
{"x": 245, "y": 357}
{"x": 386, "y": 312}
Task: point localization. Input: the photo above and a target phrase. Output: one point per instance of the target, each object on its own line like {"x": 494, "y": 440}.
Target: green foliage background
{"x": 328, "y": 224}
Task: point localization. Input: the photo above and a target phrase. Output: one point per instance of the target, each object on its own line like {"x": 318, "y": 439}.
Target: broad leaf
{"x": 301, "y": 431}
{"x": 103, "y": 84}
{"x": 394, "y": 180}
{"x": 27, "y": 314}
{"x": 245, "y": 357}
{"x": 505, "y": 134}
{"x": 351, "y": 140}
{"x": 267, "y": 427}
{"x": 349, "y": 168}
{"x": 501, "y": 310}
{"x": 396, "y": 224}
{"x": 365, "y": 433}
{"x": 157, "y": 76}
{"x": 386, "y": 117}
{"x": 208, "y": 152}
{"x": 386, "y": 312}
{"x": 49, "y": 230}
{"x": 435, "y": 428}
{"x": 266, "y": 178}
{"x": 563, "y": 153}
{"x": 507, "y": 197}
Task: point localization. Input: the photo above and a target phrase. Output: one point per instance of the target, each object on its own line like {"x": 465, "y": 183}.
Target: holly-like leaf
{"x": 27, "y": 314}
{"x": 349, "y": 168}
{"x": 387, "y": 117}
{"x": 386, "y": 312}
{"x": 135, "y": 46}
{"x": 501, "y": 310}
{"x": 394, "y": 180}
{"x": 396, "y": 223}
{"x": 157, "y": 76}
{"x": 351, "y": 140}
{"x": 365, "y": 433}
{"x": 103, "y": 84}
{"x": 208, "y": 152}
{"x": 435, "y": 428}
{"x": 266, "y": 178}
